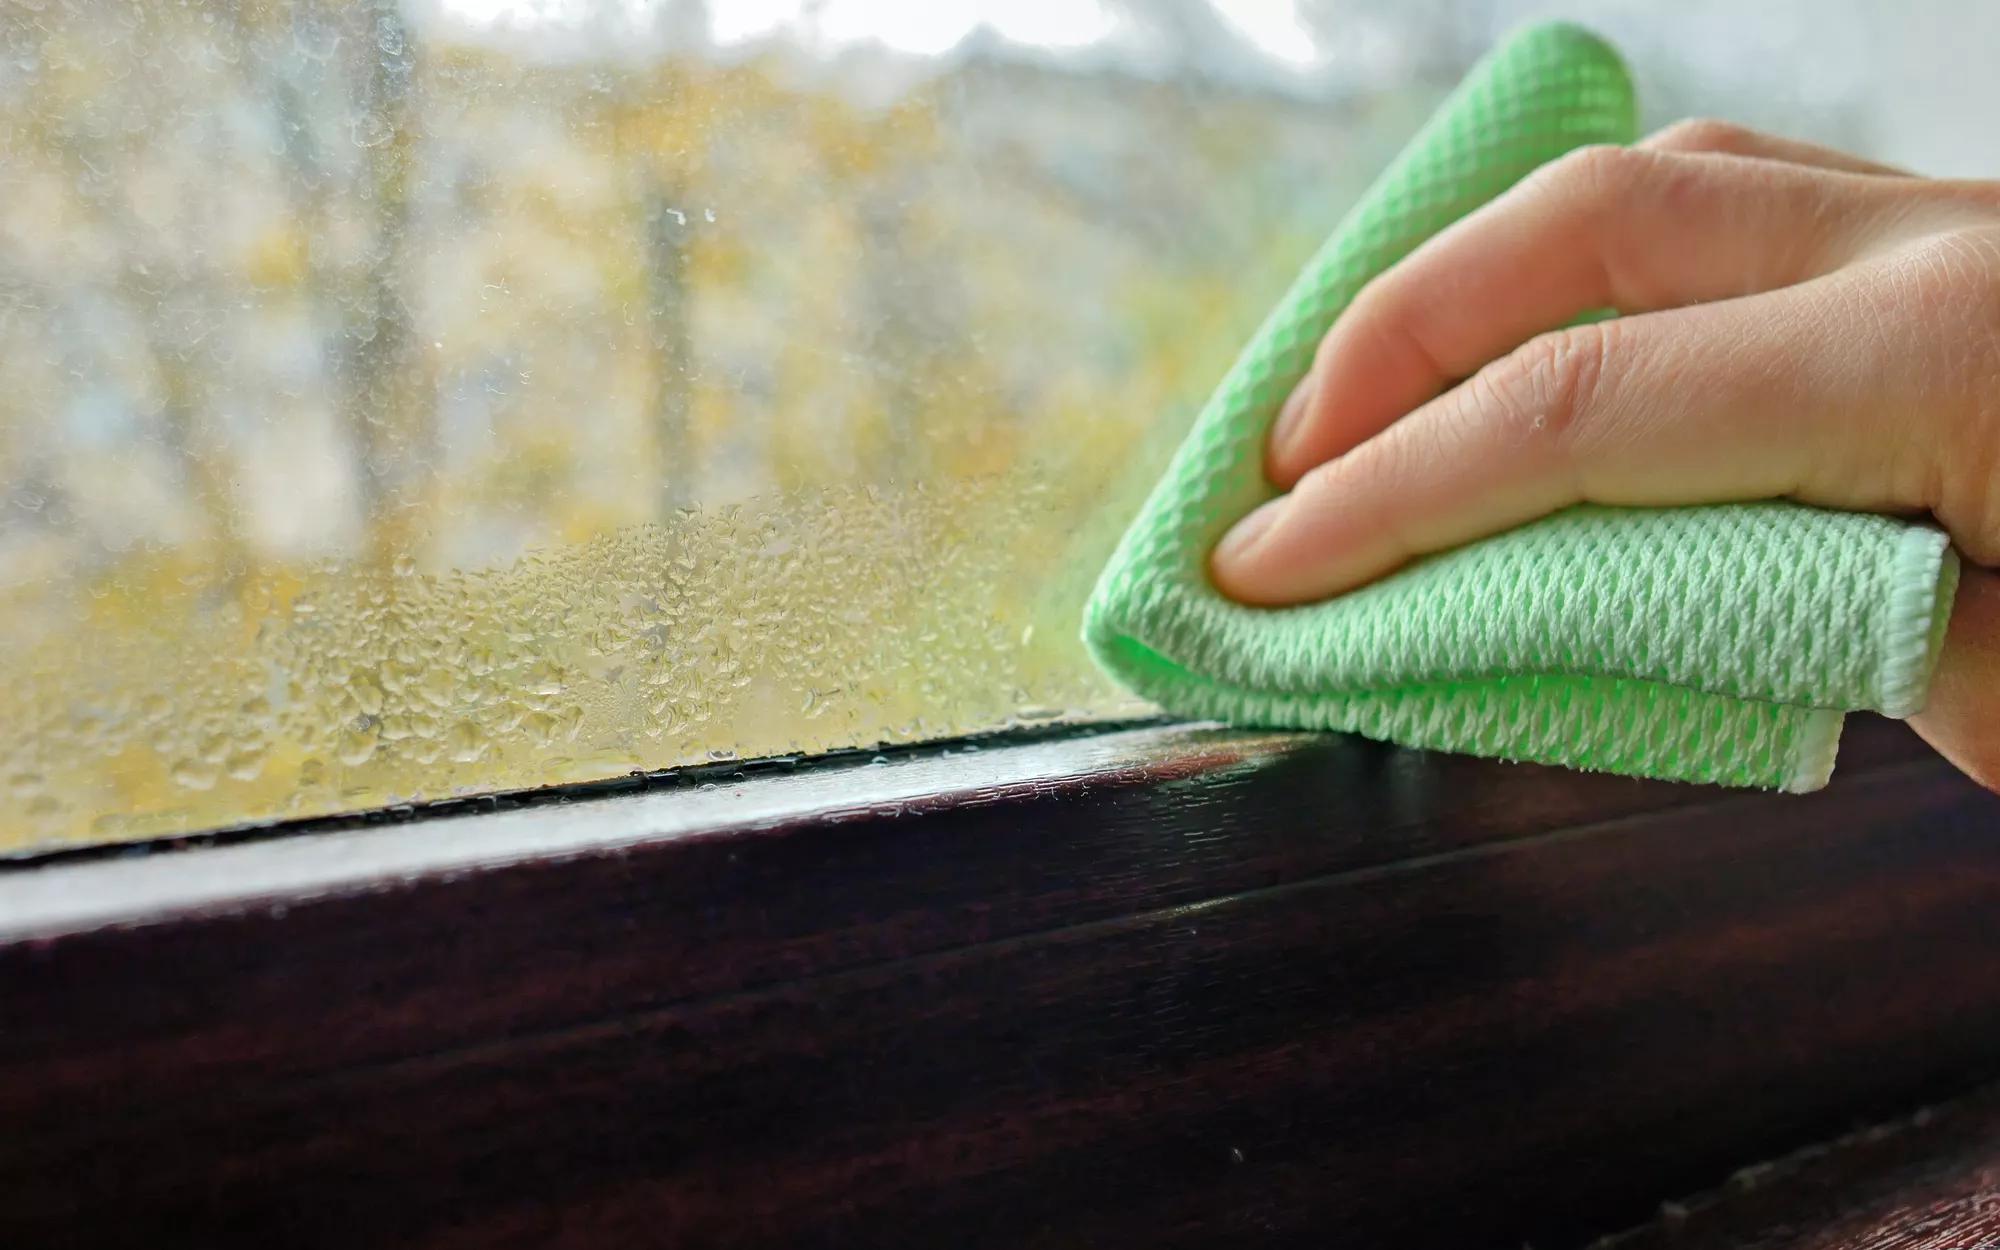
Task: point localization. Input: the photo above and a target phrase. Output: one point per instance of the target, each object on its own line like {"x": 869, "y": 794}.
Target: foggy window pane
{"x": 409, "y": 398}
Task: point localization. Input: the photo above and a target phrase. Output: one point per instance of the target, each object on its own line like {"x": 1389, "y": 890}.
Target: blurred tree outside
{"x": 391, "y": 413}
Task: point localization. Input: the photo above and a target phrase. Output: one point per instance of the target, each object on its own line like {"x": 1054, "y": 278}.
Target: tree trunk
{"x": 668, "y": 305}
{"x": 387, "y": 407}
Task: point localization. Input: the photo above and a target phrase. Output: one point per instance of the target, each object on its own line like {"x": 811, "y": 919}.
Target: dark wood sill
{"x": 1164, "y": 987}
{"x": 1926, "y": 1181}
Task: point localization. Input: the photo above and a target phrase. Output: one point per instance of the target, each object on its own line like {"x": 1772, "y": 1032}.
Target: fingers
{"x": 1962, "y": 717}
{"x": 1634, "y": 229}
{"x": 1704, "y": 134}
{"x": 1736, "y": 400}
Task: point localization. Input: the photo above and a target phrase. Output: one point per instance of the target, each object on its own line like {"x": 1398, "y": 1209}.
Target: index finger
{"x": 1677, "y": 407}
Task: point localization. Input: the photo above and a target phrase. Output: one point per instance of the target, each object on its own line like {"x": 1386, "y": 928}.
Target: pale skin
{"x": 1798, "y": 323}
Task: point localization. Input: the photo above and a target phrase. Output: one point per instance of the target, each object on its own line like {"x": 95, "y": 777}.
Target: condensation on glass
{"x": 402, "y": 400}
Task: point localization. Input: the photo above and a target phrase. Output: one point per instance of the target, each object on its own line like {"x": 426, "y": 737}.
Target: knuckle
{"x": 1594, "y": 172}
{"x": 1361, "y": 311}
{"x": 1970, "y": 263}
{"x": 1949, "y": 283}
{"x": 1389, "y": 321}
{"x": 1705, "y": 134}
{"x": 1549, "y": 388}
{"x": 1979, "y": 196}
{"x": 1378, "y": 472}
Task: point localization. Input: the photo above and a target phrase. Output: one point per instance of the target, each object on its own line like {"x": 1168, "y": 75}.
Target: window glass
{"x": 408, "y": 399}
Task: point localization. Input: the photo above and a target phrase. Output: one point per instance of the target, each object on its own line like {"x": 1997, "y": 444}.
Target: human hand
{"x": 1799, "y": 324}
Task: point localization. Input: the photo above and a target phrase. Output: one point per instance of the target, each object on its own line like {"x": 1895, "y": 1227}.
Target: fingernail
{"x": 1244, "y": 535}
{"x": 1287, "y": 424}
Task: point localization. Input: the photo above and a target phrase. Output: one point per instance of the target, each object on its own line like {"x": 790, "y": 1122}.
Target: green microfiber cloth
{"x": 1719, "y": 644}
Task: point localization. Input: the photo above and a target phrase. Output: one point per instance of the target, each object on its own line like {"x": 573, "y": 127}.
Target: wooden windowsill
{"x": 1163, "y": 986}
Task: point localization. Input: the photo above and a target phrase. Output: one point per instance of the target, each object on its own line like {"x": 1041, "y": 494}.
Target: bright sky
{"x": 1919, "y": 70}
{"x": 920, "y": 27}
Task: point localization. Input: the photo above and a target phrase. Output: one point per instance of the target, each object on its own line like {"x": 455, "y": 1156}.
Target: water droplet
{"x": 194, "y": 774}
{"x": 370, "y": 130}
{"x": 358, "y": 742}
{"x": 466, "y": 743}
{"x": 366, "y": 693}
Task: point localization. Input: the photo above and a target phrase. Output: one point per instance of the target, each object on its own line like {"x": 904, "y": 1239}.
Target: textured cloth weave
{"x": 1717, "y": 644}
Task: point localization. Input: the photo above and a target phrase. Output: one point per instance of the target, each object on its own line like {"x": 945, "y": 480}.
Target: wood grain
{"x": 1311, "y": 993}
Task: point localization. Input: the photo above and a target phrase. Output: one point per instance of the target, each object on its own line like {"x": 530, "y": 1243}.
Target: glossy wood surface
{"x": 1930, "y": 1181}
{"x": 1223, "y": 991}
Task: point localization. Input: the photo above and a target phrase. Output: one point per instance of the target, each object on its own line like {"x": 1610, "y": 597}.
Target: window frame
{"x": 1162, "y": 984}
